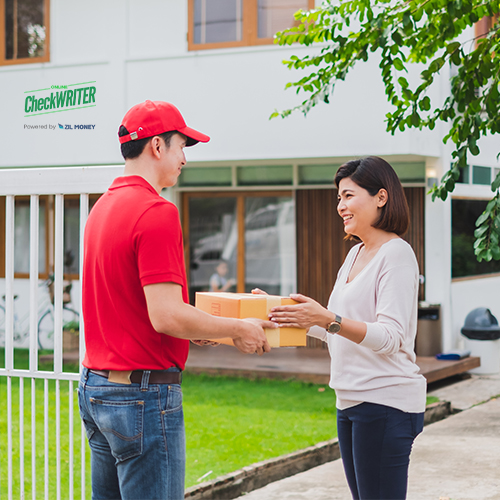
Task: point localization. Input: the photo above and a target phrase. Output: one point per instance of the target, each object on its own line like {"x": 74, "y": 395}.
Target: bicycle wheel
{"x": 46, "y": 330}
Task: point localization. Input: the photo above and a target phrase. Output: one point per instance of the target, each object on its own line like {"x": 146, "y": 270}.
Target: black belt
{"x": 155, "y": 377}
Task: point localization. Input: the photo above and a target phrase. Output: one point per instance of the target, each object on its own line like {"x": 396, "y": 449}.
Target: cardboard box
{"x": 248, "y": 305}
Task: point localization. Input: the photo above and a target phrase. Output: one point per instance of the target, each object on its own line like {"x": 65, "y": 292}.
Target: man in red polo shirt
{"x": 138, "y": 321}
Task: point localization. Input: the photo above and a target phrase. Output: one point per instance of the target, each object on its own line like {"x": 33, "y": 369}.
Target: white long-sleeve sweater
{"x": 384, "y": 295}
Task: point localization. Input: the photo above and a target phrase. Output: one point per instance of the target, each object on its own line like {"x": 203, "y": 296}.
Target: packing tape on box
{"x": 273, "y": 334}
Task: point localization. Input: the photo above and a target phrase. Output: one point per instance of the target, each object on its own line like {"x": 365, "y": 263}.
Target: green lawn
{"x": 230, "y": 423}
{"x": 233, "y": 422}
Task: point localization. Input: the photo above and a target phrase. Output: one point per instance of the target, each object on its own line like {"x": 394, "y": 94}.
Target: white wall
{"x": 137, "y": 50}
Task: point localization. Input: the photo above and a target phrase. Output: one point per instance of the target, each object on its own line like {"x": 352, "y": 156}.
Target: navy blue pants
{"x": 375, "y": 444}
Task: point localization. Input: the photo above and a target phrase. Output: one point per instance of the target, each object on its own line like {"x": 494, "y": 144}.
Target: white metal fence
{"x": 42, "y": 455}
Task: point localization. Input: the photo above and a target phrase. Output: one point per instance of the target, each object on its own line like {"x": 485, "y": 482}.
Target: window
{"x": 24, "y": 31}
{"x": 481, "y": 175}
{"x": 477, "y": 174}
{"x": 253, "y": 233}
{"x": 229, "y": 23}
{"x": 71, "y": 235}
{"x": 463, "y": 260}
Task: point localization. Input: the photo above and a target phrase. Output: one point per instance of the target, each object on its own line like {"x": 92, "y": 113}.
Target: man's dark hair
{"x": 133, "y": 149}
{"x": 373, "y": 174}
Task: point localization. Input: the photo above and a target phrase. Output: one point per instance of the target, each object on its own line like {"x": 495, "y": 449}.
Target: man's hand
{"x": 253, "y": 338}
{"x": 170, "y": 315}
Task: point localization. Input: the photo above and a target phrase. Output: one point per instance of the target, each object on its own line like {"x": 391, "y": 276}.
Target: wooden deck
{"x": 310, "y": 365}
{"x": 435, "y": 369}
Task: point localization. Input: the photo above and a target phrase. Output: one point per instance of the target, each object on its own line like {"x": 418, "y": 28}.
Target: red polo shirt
{"x": 132, "y": 238}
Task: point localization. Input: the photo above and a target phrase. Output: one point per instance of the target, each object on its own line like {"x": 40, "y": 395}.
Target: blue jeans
{"x": 136, "y": 437}
{"x": 375, "y": 444}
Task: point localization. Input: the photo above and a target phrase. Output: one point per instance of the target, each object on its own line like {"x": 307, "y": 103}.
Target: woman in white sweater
{"x": 370, "y": 326}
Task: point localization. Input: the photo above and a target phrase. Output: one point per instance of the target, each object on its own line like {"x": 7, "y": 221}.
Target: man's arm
{"x": 169, "y": 314}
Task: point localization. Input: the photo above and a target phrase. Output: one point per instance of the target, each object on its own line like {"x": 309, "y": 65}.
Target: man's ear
{"x": 154, "y": 146}
{"x": 382, "y": 197}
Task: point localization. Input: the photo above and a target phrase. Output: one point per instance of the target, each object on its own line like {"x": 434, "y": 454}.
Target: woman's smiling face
{"x": 358, "y": 208}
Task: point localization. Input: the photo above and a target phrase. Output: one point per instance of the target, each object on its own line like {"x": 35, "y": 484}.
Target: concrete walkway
{"x": 456, "y": 458}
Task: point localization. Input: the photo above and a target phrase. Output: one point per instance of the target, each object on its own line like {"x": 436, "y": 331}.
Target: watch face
{"x": 334, "y": 328}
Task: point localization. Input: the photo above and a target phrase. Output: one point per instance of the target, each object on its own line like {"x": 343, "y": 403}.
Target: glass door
{"x": 270, "y": 244}
{"x": 239, "y": 241}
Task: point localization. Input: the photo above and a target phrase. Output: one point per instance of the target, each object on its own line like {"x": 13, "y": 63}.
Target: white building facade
{"x": 242, "y": 195}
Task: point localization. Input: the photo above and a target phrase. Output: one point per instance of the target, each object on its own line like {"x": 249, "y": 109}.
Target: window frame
{"x": 249, "y": 28}
{"x": 25, "y": 60}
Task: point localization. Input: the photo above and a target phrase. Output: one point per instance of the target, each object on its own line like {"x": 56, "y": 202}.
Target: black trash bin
{"x": 482, "y": 334}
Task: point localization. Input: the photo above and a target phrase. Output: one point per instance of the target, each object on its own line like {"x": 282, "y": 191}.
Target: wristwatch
{"x": 334, "y": 326}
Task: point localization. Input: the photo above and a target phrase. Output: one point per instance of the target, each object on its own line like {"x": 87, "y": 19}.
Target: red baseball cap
{"x": 154, "y": 118}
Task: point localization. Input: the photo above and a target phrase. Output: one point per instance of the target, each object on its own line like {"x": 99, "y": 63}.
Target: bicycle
{"x": 17, "y": 336}
{"x": 45, "y": 324}
{"x": 70, "y": 317}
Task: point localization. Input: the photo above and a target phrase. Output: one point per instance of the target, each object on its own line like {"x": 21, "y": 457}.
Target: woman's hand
{"x": 303, "y": 315}
{"x": 258, "y": 291}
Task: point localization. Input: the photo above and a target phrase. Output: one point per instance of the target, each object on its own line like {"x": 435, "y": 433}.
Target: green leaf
{"x": 496, "y": 223}
{"x": 474, "y": 149}
{"x": 451, "y": 47}
{"x": 403, "y": 82}
{"x": 418, "y": 14}
{"x": 398, "y": 39}
{"x": 398, "y": 64}
{"x": 407, "y": 24}
{"x": 496, "y": 183}
{"x": 495, "y": 251}
{"x": 425, "y": 104}
{"x": 491, "y": 205}
{"x": 480, "y": 231}
{"x": 456, "y": 59}
{"x": 479, "y": 244}
{"x": 482, "y": 218}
